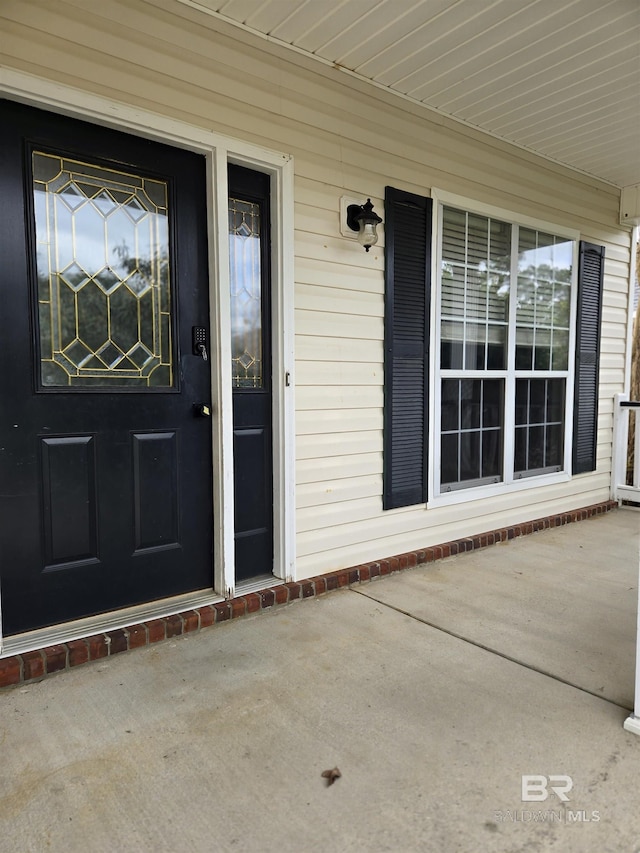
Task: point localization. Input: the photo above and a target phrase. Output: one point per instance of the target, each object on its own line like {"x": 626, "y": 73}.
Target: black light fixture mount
{"x": 361, "y": 218}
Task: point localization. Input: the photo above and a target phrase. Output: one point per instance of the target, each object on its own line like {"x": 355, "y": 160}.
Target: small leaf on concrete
{"x": 331, "y": 775}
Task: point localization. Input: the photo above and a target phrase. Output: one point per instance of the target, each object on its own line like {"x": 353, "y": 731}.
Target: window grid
{"x": 539, "y": 428}
{"x": 542, "y": 301}
{"x": 474, "y": 309}
{"x": 526, "y": 448}
{"x": 472, "y": 431}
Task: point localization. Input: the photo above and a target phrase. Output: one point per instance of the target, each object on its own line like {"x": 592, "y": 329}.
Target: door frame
{"x": 219, "y": 150}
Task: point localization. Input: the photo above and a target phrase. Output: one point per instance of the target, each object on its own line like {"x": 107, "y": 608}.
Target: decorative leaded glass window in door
{"x": 103, "y": 270}
{"x": 246, "y": 293}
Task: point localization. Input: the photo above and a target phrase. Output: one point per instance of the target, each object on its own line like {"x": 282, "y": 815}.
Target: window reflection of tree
{"x": 121, "y": 311}
{"x": 543, "y": 314}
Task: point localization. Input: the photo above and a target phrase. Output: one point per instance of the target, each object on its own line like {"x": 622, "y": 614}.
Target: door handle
{"x": 202, "y": 410}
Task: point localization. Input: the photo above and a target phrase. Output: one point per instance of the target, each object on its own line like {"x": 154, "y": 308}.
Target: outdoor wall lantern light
{"x": 361, "y": 218}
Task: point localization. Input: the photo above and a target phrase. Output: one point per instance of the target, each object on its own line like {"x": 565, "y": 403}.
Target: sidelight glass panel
{"x": 246, "y": 293}
{"x": 104, "y": 289}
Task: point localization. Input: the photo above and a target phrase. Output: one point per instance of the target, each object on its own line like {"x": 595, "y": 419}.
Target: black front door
{"x": 249, "y": 249}
{"x": 105, "y": 447}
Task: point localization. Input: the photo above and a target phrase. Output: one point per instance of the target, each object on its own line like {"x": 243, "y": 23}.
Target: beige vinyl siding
{"x": 168, "y": 59}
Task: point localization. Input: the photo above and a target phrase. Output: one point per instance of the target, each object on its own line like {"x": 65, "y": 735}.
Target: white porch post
{"x": 632, "y": 723}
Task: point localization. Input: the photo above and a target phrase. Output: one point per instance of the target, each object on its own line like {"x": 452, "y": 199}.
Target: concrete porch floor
{"x": 434, "y": 691}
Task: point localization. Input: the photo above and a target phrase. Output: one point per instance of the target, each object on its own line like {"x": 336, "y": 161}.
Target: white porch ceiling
{"x": 558, "y": 77}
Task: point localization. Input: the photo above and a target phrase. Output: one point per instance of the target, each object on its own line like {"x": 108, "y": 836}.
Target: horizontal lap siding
{"x": 160, "y": 57}
{"x": 339, "y": 371}
{"x": 397, "y": 530}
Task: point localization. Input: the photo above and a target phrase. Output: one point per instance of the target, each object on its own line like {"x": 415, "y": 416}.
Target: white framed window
{"x": 502, "y": 377}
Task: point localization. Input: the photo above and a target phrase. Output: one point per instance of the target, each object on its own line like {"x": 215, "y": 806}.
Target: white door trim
{"x": 219, "y": 150}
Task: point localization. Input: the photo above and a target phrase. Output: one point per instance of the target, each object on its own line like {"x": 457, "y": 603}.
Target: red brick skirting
{"x": 35, "y": 665}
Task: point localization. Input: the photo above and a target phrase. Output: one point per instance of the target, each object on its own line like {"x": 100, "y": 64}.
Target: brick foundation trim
{"x": 36, "y": 665}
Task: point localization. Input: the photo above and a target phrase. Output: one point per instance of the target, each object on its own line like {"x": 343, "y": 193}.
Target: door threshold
{"x": 80, "y": 628}
{"x": 256, "y": 584}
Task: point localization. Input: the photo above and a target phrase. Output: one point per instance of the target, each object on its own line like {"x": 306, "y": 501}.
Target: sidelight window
{"x": 246, "y": 293}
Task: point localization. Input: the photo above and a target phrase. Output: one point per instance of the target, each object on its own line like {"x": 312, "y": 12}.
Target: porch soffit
{"x": 560, "y": 78}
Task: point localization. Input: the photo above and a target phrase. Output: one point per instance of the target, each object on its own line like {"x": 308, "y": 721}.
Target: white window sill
{"x": 494, "y": 490}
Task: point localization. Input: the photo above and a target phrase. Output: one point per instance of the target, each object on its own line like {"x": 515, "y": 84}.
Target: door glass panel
{"x": 246, "y": 294}
{"x": 104, "y": 289}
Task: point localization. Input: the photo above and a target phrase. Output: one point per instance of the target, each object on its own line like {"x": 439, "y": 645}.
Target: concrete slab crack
{"x": 490, "y": 650}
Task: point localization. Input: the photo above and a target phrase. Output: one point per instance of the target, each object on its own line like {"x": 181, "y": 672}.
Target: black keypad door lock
{"x": 199, "y": 342}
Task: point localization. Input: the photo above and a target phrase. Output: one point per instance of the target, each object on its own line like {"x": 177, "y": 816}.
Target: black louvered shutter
{"x": 589, "y": 316}
{"x": 406, "y": 338}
